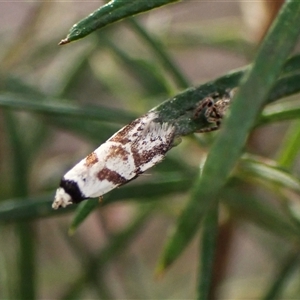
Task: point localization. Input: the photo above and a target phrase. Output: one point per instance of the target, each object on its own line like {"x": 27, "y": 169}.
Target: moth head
{"x": 68, "y": 193}
{"x": 62, "y": 199}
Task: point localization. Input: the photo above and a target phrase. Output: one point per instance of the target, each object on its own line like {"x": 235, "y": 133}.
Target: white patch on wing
{"x": 128, "y": 153}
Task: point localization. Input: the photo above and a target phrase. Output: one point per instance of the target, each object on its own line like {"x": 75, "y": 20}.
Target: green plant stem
{"x": 27, "y": 266}
{"x": 109, "y": 13}
{"x": 283, "y": 275}
{"x": 96, "y": 280}
{"x": 177, "y": 110}
{"x": 150, "y": 77}
{"x": 117, "y": 245}
{"x": 261, "y": 77}
{"x": 161, "y": 53}
{"x": 57, "y": 107}
{"x": 291, "y": 146}
{"x": 23, "y": 208}
{"x": 259, "y": 213}
{"x": 26, "y": 256}
{"x": 207, "y": 253}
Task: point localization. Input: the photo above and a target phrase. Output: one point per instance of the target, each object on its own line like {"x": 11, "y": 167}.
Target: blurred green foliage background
{"x": 58, "y": 103}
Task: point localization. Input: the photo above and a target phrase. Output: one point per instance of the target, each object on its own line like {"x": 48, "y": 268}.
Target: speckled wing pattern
{"x": 128, "y": 153}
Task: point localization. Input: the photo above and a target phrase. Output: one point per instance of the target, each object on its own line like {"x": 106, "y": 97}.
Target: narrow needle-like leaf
{"x": 161, "y": 53}
{"x": 291, "y": 146}
{"x": 113, "y": 11}
{"x": 207, "y": 253}
{"x": 261, "y": 77}
{"x": 284, "y": 273}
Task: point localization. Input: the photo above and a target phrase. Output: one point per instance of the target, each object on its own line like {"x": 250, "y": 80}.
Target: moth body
{"x": 128, "y": 153}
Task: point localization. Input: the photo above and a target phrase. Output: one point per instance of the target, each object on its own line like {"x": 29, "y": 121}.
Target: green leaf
{"x": 281, "y": 111}
{"x": 280, "y": 280}
{"x": 116, "y": 245}
{"x": 36, "y": 207}
{"x": 113, "y": 11}
{"x": 257, "y": 168}
{"x": 247, "y": 207}
{"x": 290, "y": 146}
{"x": 60, "y": 107}
{"x": 220, "y": 33}
{"x": 285, "y": 86}
{"x": 292, "y": 65}
{"x": 164, "y": 57}
{"x": 145, "y": 71}
{"x": 207, "y": 252}
{"x": 83, "y": 210}
{"x": 244, "y": 110}
{"x": 19, "y": 161}
{"x": 26, "y": 254}
{"x": 94, "y": 131}
{"x": 28, "y": 208}
{"x": 269, "y": 174}
{"x": 156, "y": 188}
{"x": 178, "y": 109}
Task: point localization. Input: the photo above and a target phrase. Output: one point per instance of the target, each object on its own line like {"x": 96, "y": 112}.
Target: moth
{"x": 131, "y": 151}
{"x": 128, "y": 153}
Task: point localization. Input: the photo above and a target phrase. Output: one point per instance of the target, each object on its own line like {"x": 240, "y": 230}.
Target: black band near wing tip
{"x": 71, "y": 188}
